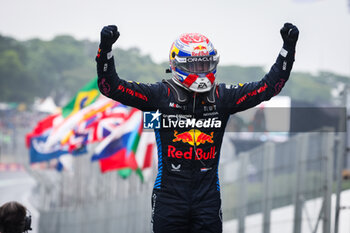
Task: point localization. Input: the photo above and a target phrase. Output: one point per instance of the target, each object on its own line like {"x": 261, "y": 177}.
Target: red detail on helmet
{"x": 190, "y": 79}
{"x": 193, "y": 38}
{"x": 211, "y": 77}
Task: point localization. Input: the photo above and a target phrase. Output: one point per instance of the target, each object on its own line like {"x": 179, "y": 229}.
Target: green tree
{"x": 61, "y": 66}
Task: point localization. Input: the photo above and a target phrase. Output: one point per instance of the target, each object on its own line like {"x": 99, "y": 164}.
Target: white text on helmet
{"x": 198, "y": 59}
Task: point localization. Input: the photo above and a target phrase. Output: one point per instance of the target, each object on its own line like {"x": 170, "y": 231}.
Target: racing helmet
{"x": 193, "y": 61}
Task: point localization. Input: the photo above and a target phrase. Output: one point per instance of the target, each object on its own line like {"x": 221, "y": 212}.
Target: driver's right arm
{"x": 145, "y": 97}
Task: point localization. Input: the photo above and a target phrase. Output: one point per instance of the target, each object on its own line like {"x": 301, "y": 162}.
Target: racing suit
{"x": 186, "y": 194}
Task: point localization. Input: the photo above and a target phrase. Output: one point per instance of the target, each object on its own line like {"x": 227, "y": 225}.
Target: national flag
{"x": 139, "y": 151}
{"x": 36, "y": 141}
{"x": 144, "y": 155}
{"x": 41, "y": 127}
{"x": 85, "y": 96}
{"x": 44, "y": 141}
{"x": 116, "y": 151}
{"x": 132, "y": 146}
{"x": 115, "y": 146}
{"x": 39, "y": 152}
{"x": 88, "y": 118}
{"x": 63, "y": 131}
{"x": 98, "y": 124}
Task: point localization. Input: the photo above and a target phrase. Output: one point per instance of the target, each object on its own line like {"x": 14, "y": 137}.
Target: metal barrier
{"x": 270, "y": 176}
{"x": 277, "y": 175}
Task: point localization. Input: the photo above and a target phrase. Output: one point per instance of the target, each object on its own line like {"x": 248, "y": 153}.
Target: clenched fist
{"x": 290, "y": 34}
{"x": 109, "y": 35}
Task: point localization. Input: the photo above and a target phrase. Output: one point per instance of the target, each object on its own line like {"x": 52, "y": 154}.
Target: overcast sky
{"x": 245, "y": 32}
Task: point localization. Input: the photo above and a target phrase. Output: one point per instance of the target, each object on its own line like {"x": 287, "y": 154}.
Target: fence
{"x": 277, "y": 175}
{"x": 270, "y": 176}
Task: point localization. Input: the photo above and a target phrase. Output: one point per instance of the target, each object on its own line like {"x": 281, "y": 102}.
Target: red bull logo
{"x": 193, "y": 137}
{"x": 200, "y": 153}
{"x": 200, "y": 50}
{"x": 200, "y": 47}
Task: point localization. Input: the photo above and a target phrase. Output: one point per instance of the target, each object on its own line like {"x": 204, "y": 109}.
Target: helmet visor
{"x": 198, "y": 65}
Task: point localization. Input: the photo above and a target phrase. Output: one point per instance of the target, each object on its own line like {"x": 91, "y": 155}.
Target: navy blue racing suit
{"x": 186, "y": 195}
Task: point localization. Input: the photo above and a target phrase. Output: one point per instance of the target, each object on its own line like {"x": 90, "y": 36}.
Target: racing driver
{"x": 191, "y": 111}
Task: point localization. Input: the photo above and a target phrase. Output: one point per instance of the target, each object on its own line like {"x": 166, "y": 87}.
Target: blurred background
{"x": 285, "y": 167}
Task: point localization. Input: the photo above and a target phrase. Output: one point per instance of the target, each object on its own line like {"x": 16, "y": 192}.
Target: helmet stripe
{"x": 183, "y": 54}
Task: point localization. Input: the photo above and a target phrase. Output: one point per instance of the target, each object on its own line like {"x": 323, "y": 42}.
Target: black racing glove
{"x": 290, "y": 34}
{"x": 109, "y": 35}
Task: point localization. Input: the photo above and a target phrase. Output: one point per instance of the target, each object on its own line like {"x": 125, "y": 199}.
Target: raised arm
{"x": 243, "y": 96}
{"x": 138, "y": 95}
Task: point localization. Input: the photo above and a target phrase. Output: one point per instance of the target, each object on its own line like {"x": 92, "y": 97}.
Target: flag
{"x": 39, "y": 152}
{"x": 145, "y": 151}
{"x": 116, "y": 151}
{"x": 144, "y": 155}
{"x": 44, "y": 142}
{"x": 98, "y": 124}
{"x": 85, "y": 96}
{"x": 36, "y": 141}
{"x": 127, "y": 149}
{"x": 139, "y": 157}
{"x": 89, "y": 118}
{"x": 132, "y": 146}
{"x": 41, "y": 127}
{"x": 62, "y": 131}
